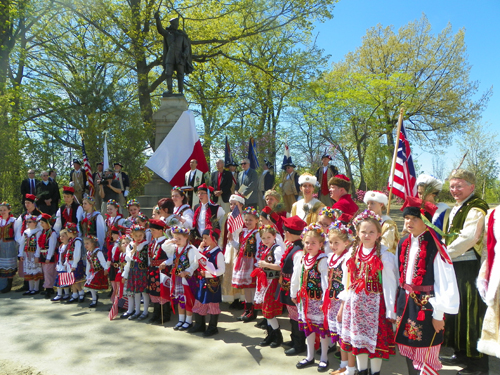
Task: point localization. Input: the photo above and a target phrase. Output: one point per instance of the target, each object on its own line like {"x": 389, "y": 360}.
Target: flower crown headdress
{"x": 313, "y": 228}
{"x": 366, "y": 214}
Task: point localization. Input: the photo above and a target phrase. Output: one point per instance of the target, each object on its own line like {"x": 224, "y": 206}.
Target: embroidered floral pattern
{"x": 413, "y": 330}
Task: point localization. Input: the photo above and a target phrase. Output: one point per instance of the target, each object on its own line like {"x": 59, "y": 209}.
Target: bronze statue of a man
{"x": 176, "y": 53}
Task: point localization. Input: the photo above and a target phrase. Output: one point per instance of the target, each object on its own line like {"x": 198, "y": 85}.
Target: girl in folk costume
{"x": 488, "y": 284}
{"x": 267, "y": 275}
{"x": 137, "y": 281}
{"x": 8, "y": 250}
{"x": 427, "y": 289}
{"x": 376, "y": 201}
{"x": 92, "y": 223}
{"x": 97, "y": 268}
{"x": 308, "y": 208}
{"x": 159, "y": 251}
{"x": 113, "y": 219}
{"x": 61, "y": 268}
{"x": 166, "y": 209}
{"x": 45, "y": 253}
{"x": 230, "y": 294}
{"x": 143, "y": 221}
{"x": 339, "y": 237}
{"x": 183, "y": 281}
{"x": 182, "y": 210}
{"x": 211, "y": 267}
{"x": 325, "y": 219}
{"x": 247, "y": 242}
{"x": 74, "y": 262}
{"x": 113, "y": 263}
{"x": 134, "y": 210}
{"x": 156, "y": 213}
{"x": 70, "y": 211}
{"x": 309, "y": 283}
{"x": 27, "y": 248}
{"x": 122, "y": 274}
{"x": 293, "y": 227}
{"x": 370, "y": 283}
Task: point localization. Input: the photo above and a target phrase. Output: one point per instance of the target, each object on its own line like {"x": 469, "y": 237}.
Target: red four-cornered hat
{"x": 294, "y": 224}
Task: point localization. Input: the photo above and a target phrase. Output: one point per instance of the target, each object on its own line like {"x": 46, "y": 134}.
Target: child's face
{"x": 156, "y": 233}
{"x": 4, "y": 211}
{"x": 325, "y": 222}
{"x": 140, "y": 222}
{"x": 133, "y": 211}
{"x": 375, "y": 207}
{"x": 45, "y": 225}
{"x": 208, "y": 241}
{"x": 115, "y": 236}
{"x": 368, "y": 233}
{"x": 64, "y": 238}
{"x": 87, "y": 207}
{"x": 263, "y": 221}
{"x": 180, "y": 239}
{"x": 268, "y": 239}
{"x": 138, "y": 235}
{"x": 312, "y": 244}
{"x": 111, "y": 210}
{"x": 31, "y": 224}
{"x": 337, "y": 245}
{"x": 89, "y": 245}
{"x": 123, "y": 245}
{"x": 250, "y": 221}
{"x": 414, "y": 225}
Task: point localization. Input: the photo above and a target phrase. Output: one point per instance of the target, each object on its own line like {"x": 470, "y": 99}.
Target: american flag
{"x": 235, "y": 220}
{"x": 405, "y": 178}
{"x": 88, "y": 170}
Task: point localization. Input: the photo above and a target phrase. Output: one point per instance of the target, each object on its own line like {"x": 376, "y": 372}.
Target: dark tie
{"x": 32, "y": 186}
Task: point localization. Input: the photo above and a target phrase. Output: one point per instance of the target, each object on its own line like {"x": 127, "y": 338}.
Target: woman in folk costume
{"x": 182, "y": 210}
{"x": 97, "y": 268}
{"x": 33, "y": 272}
{"x": 229, "y": 293}
{"x": 8, "y": 246}
{"x": 427, "y": 289}
{"x": 73, "y": 261}
{"x": 293, "y": 227}
{"x": 376, "y": 201}
{"x": 92, "y": 223}
{"x": 370, "y": 282}
{"x": 488, "y": 284}
{"x": 45, "y": 252}
{"x": 113, "y": 219}
{"x": 159, "y": 251}
{"x": 247, "y": 242}
{"x": 309, "y": 283}
{"x": 134, "y": 210}
{"x": 211, "y": 267}
{"x": 183, "y": 280}
{"x": 307, "y": 208}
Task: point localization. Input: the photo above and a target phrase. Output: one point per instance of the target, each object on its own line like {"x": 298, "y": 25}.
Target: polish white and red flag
{"x": 405, "y": 177}
{"x": 171, "y": 159}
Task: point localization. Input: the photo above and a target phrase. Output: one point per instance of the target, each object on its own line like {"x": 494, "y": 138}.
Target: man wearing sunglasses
{"x": 248, "y": 183}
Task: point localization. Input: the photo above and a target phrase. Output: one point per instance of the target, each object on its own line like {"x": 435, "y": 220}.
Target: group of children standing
{"x": 337, "y": 287}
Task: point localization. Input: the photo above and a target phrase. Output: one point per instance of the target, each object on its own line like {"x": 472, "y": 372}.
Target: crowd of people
{"x": 345, "y": 277}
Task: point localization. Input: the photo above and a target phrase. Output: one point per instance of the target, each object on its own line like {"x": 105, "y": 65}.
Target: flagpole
{"x": 394, "y": 157}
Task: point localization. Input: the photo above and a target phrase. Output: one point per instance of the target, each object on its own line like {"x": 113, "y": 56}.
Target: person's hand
{"x": 162, "y": 266}
{"x": 21, "y": 259}
{"x": 262, "y": 263}
{"x": 73, "y": 269}
{"x": 294, "y": 300}
{"x": 184, "y": 274}
{"x": 229, "y": 236}
{"x": 438, "y": 325}
{"x": 48, "y": 201}
{"x": 339, "y": 314}
{"x": 99, "y": 182}
{"x": 125, "y": 193}
{"x": 203, "y": 243}
{"x": 47, "y": 261}
{"x": 105, "y": 272}
{"x": 37, "y": 260}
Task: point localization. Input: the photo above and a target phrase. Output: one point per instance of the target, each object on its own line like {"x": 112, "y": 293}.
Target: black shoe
{"x": 472, "y": 372}
{"x": 212, "y": 326}
{"x": 93, "y": 304}
{"x": 288, "y": 343}
{"x": 143, "y": 316}
{"x": 82, "y": 298}
{"x": 305, "y": 363}
{"x": 25, "y": 288}
{"x": 27, "y": 293}
{"x": 34, "y": 292}
{"x": 71, "y": 300}
{"x": 135, "y": 316}
{"x": 66, "y": 297}
{"x": 269, "y": 338}
{"x": 363, "y": 372}
{"x": 277, "y": 338}
{"x": 126, "y": 315}
{"x": 295, "y": 351}
{"x": 323, "y": 366}
{"x": 178, "y": 325}
{"x": 43, "y": 292}
{"x": 8, "y": 288}
{"x": 185, "y": 326}
{"x": 453, "y": 360}
{"x": 262, "y": 324}
{"x": 200, "y": 324}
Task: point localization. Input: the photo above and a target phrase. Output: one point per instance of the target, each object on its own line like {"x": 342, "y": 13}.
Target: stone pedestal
{"x": 170, "y": 110}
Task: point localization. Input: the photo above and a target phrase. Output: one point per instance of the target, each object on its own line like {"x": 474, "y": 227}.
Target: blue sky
{"x": 480, "y": 18}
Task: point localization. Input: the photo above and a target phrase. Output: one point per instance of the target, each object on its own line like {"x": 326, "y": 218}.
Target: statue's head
{"x": 174, "y": 23}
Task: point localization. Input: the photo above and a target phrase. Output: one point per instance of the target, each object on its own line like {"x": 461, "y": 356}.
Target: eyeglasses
{"x": 243, "y": 163}
{"x": 31, "y": 172}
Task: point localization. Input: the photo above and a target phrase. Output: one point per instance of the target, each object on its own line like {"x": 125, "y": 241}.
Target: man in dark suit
{"x": 266, "y": 182}
{"x": 248, "y": 177}
{"x": 28, "y": 186}
{"x": 98, "y": 175}
{"x": 52, "y": 178}
{"x": 221, "y": 181}
{"x": 47, "y": 193}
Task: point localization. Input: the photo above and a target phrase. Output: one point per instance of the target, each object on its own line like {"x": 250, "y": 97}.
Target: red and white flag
{"x": 428, "y": 370}
{"x": 235, "y": 220}
{"x": 171, "y": 159}
{"x": 405, "y": 178}
{"x": 66, "y": 279}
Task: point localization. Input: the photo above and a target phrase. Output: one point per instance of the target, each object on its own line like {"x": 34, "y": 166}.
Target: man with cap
{"x": 69, "y": 212}
{"x": 28, "y": 185}
{"x": 293, "y": 227}
{"x": 248, "y": 181}
{"x": 193, "y": 178}
{"x": 159, "y": 251}
{"x": 464, "y": 228}
{"x": 266, "y": 182}
{"x": 98, "y": 175}
{"x": 109, "y": 188}
{"x": 124, "y": 183}
{"x": 427, "y": 289}
{"x": 78, "y": 180}
{"x": 323, "y": 175}
{"x": 47, "y": 194}
{"x": 339, "y": 186}
{"x": 206, "y": 214}
{"x": 221, "y": 181}
{"x": 290, "y": 185}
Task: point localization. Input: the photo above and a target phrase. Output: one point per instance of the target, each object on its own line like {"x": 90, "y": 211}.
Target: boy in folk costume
{"x": 427, "y": 288}
{"x": 27, "y": 248}
{"x": 206, "y": 213}
{"x": 376, "y": 201}
{"x": 70, "y": 211}
{"x": 159, "y": 251}
{"x": 45, "y": 253}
